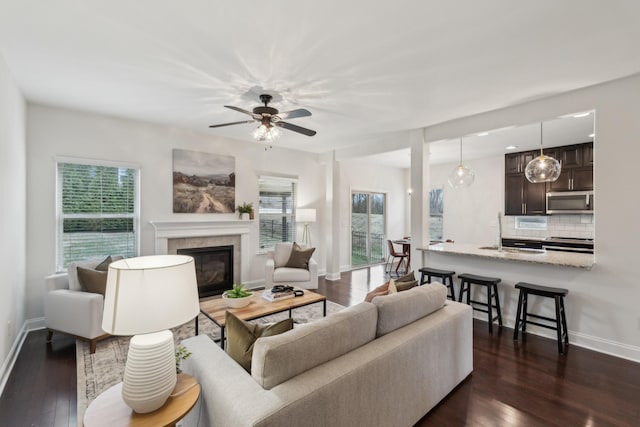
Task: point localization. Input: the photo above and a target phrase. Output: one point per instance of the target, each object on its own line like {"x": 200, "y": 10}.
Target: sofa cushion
{"x": 286, "y": 274}
{"x": 380, "y": 290}
{"x": 402, "y": 308}
{"x": 299, "y": 257}
{"x": 278, "y": 358}
{"x": 241, "y": 336}
{"x": 92, "y": 280}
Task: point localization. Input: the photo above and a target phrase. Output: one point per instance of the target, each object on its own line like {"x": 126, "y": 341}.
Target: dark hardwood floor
{"x": 513, "y": 383}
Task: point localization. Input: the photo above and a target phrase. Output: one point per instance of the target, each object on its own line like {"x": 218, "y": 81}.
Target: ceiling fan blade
{"x": 295, "y": 128}
{"x": 232, "y": 123}
{"x": 294, "y": 114}
{"x": 239, "y": 109}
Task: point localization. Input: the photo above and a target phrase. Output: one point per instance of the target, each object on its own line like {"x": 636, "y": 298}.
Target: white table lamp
{"x": 306, "y": 216}
{"x": 145, "y": 297}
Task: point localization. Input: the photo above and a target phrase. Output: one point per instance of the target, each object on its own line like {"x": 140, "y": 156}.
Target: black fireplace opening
{"x": 214, "y": 268}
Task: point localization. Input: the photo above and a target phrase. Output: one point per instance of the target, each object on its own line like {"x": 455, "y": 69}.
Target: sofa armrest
{"x": 74, "y": 312}
{"x": 56, "y": 281}
{"x": 226, "y": 388}
{"x": 269, "y": 269}
{"x": 313, "y": 274}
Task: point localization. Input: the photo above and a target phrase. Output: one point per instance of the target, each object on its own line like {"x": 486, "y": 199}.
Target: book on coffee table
{"x": 277, "y": 296}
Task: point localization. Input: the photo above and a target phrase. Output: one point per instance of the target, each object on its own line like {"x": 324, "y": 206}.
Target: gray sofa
{"x": 373, "y": 364}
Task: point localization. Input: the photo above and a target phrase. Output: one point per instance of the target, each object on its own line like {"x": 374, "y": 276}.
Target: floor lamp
{"x": 145, "y": 297}
{"x": 306, "y": 216}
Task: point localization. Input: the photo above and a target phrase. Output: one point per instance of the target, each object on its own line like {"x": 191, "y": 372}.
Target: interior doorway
{"x": 368, "y": 219}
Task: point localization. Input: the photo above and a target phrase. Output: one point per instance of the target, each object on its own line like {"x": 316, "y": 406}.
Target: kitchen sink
{"x": 515, "y": 250}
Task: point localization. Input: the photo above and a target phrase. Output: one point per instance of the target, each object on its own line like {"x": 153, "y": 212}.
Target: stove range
{"x": 568, "y": 244}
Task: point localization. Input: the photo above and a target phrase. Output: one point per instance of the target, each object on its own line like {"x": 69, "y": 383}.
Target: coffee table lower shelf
{"x": 215, "y": 309}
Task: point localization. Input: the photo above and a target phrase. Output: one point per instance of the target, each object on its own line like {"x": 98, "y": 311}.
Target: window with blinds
{"x": 97, "y": 212}
{"x": 277, "y": 211}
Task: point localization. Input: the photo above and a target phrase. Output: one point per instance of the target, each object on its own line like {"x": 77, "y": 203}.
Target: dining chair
{"x": 393, "y": 255}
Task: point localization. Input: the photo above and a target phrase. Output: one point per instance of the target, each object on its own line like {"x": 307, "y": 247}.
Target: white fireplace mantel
{"x": 165, "y": 230}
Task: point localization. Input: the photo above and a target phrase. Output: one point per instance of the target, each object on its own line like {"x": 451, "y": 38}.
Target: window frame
{"x": 60, "y": 216}
{"x": 293, "y": 216}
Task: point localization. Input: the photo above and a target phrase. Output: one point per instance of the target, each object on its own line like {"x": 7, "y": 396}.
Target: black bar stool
{"x": 491, "y": 283}
{"x": 442, "y": 274}
{"x": 560, "y": 320}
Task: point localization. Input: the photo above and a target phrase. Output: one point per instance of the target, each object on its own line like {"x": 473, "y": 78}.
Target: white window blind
{"x": 277, "y": 211}
{"x": 97, "y": 212}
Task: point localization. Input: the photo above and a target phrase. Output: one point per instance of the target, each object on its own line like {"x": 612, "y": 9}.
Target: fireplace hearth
{"x": 214, "y": 268}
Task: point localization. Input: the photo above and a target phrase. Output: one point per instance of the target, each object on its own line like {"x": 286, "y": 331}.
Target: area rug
{"x": 103, "y": 369}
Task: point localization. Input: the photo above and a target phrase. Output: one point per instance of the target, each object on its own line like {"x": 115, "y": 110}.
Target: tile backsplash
{"x": 577, "y": 226}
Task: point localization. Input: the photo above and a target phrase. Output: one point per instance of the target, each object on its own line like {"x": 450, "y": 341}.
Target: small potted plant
{"x": 245, "y": 210}
{"x": 237, "y": 297}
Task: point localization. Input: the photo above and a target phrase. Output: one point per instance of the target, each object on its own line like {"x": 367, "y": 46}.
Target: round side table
{"x": 108, "y": 409}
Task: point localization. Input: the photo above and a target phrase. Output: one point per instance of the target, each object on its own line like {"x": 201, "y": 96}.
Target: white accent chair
{"x": 277, "y": 274}
{"x": 70, "y": 310}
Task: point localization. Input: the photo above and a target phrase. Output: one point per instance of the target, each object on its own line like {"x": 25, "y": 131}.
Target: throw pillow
{"x": 104, "y": 265}
{"x": 404, "y": 286}
{"x": 299, "y": 257}
{"x": 392, "y": 287}
{"x": 241, "y": 336}
{"x": 380, "y": 290}
{"x": 406, "y": 278}
{"x": 92, "y": 280}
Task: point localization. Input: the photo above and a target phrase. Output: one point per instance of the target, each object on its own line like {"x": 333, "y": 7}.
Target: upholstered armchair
{"x": 277, "y": 272}
{"x": 70, "y": 310}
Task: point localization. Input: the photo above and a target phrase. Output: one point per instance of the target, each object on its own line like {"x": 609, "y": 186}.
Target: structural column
{"x": 419, "y": 197}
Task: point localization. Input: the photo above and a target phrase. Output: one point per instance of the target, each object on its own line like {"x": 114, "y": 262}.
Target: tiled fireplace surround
{"x": 173, "y": 235}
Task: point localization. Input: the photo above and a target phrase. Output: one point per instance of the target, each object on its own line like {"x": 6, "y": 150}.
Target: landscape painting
{"x": 203, "y": 182}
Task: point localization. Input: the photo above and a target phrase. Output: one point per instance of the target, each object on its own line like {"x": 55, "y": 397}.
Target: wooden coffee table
{"x": 215, "y": 308}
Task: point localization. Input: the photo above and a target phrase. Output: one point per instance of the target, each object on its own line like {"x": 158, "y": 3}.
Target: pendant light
{"x": 461, "y": 176}
{"x": 542, "y": 168}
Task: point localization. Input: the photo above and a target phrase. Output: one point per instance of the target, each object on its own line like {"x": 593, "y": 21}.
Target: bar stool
{"x": 491, "y": 283}
{"x": 560, "y": 320}
{"x": 442, "y": 274}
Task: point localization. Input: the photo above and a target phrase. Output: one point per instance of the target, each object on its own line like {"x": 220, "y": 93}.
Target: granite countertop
{"x": 537, "y": 256}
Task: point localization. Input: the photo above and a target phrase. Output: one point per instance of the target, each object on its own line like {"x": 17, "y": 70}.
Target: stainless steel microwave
{"x": 570, "y": 202}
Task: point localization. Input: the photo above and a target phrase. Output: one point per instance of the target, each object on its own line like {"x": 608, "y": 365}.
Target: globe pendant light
{"x": 542, "y": 168}
{"x": 461, "y": 176}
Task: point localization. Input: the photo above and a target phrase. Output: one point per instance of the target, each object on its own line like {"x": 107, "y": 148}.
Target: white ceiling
{"x": 362, "y": 68}
{"x": 561, "y": 131}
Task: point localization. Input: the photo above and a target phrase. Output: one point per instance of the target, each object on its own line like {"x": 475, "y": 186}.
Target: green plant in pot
{"x": 237, "y": 297}
{"x": 245, "y": 208}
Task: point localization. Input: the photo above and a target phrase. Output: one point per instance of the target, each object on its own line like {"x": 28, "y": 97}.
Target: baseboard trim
{"x": 28, "y": 326}
{"x": 590, "y": 342}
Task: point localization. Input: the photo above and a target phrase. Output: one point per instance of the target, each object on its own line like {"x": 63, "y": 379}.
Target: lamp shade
{"x": 149, "y": 294}
{"x": 305, "y": 215}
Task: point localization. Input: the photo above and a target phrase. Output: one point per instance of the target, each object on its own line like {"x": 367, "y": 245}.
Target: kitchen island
{"x": 573, "y": 271}
{"x": 558, "y": 258}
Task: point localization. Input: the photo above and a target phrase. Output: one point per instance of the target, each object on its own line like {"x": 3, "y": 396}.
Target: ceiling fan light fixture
{"x": 542, "y": 168}
{"x": 461, "y": 176}
{"x": 266, "y": 133}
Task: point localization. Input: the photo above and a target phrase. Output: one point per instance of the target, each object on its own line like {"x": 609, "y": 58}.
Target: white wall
{"x": 602, "y": 305}
{"x": 471, "y": 213}
{"x": 356, "y": 175}
{"x": 58, "y": 132}
{"x": 12, "y": 216}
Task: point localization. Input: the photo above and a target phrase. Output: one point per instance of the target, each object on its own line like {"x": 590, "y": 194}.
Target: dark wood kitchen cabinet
{"x": 577, "y": 168}
{"x": 517, "y": 162}
{"x": 525, "y": 198}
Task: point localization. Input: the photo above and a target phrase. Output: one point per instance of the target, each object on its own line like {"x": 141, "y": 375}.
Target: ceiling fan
{"x": 271, "y": 119}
